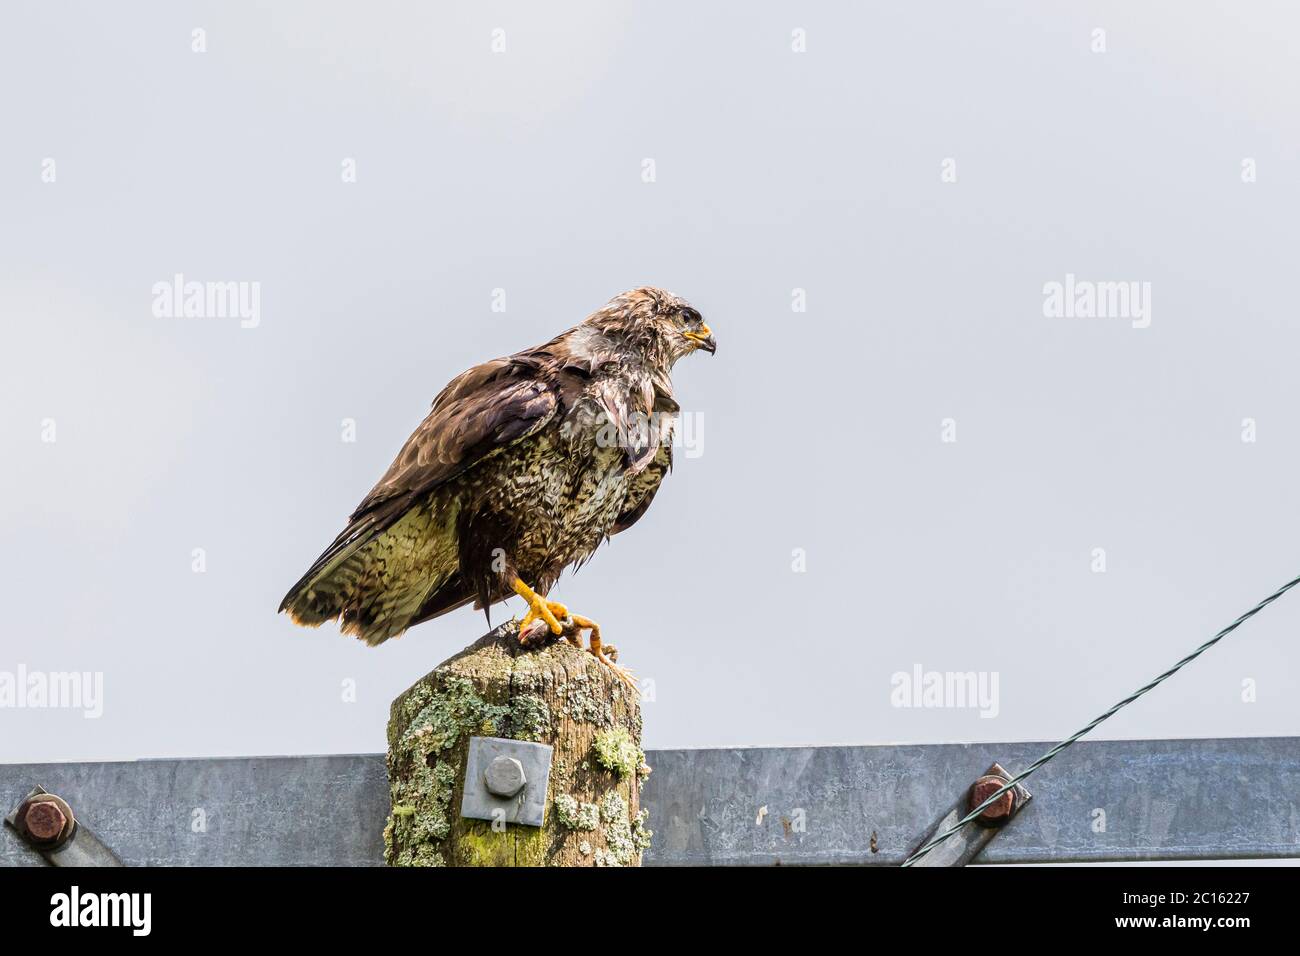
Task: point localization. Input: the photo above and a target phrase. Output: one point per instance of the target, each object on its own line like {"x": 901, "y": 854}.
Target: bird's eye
{"x": 691, "y": 317}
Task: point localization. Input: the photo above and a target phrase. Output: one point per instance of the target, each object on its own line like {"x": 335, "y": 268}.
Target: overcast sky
{"x": 904, "y": 459}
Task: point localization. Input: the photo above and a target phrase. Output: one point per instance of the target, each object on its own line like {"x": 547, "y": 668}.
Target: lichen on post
{"x": 558, "y": 695}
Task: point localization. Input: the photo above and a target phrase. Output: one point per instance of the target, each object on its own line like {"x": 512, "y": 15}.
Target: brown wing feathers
{"x": 399, "y": 544}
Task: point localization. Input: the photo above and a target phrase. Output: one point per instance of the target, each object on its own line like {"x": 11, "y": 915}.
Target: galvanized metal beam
{"x": 1102, "y": 800}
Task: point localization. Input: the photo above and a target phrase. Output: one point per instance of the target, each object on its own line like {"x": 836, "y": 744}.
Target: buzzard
{"x": 522, "y": 468}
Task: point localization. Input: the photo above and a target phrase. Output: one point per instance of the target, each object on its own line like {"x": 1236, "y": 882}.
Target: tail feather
{"x": 374, "y": 581}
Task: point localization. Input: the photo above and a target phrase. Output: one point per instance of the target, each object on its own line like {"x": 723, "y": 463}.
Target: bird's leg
{"x": 598, "y": 650}
{"x": 556, "y": 615}
{"x": 552, "y": 612}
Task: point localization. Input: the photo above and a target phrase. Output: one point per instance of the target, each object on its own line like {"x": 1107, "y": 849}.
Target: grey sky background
{"x": 821, "y": 430}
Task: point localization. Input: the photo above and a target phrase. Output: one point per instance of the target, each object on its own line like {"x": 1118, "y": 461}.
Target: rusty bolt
{"x": 984, "y": 788}
{"x": 44, "y": 821}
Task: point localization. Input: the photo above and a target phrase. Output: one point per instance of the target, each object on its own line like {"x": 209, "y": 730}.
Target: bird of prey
{"x": 524, "y": 465}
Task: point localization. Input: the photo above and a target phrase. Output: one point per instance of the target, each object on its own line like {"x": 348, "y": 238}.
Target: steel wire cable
{"x": 993, "y": 797}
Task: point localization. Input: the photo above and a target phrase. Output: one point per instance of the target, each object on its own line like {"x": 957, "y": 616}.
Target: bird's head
{"x": 656, "y": 323}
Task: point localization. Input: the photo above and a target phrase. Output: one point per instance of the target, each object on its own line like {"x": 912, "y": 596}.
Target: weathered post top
{"x": 557, "y": 695}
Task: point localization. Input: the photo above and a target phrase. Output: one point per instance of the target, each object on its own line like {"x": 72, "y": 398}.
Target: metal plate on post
{"x": 506, "y": 780}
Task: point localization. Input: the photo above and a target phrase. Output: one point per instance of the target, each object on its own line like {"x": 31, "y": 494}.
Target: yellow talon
{"x": 598, "y": 650}
{"x": 552, "y": 612}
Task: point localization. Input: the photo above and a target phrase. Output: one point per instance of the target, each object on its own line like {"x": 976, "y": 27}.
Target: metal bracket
{"x": 964, "y": 845}
{"x": 48, "y": 825}
{"x": 506, "y": 780}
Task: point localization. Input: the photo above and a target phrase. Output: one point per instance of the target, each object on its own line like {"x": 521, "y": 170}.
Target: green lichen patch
{"x": 419, "y": 856}
{"x": 613, "y": 807}
{"x": 617, "y": 751}
{"x": 439, "y": 714}
{"x": 529, "y": 719}
{"x": 420, "y": 817}
{"x": 454, "y": 709}
{"x": 625, "y": 837}
{"x": 575, "y": 815}
{"x": 618, "y": 831}
{"x": 587, "y": 701}
{"x": 641, "y": 834}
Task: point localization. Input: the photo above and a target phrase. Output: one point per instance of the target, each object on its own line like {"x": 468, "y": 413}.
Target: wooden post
{"x": 558, "y": 695}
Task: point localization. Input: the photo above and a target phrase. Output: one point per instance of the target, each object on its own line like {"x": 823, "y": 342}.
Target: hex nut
{"x": 44, "y": 821}
{"x": 504, "y": 776}
{"x": 984, "y": 788}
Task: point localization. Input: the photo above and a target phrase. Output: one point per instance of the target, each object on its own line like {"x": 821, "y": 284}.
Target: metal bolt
{"x": 44, "y": 821}
{"x": 504, "y": 776}
{"x": 984, "y": 788}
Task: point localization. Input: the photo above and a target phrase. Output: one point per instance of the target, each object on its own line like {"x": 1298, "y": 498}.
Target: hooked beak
{"x": 703, "y": 339}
